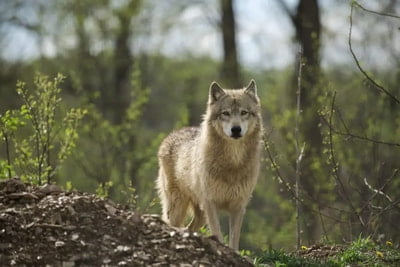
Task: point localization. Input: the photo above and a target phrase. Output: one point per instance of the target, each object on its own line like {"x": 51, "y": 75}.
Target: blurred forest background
{"x": 135, "y": 70}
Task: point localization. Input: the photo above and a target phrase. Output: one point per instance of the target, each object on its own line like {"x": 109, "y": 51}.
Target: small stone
{"x": 68, "y": 264}
{"x": 111, "y": 210}
{"x": 4, "y": 246}
{"x": 121, "y": 248}
{"x": 186, "y": 235}
{"x": 50, "y": 189}
{"x": 59, "y": 244}
{"x": 178, "y": 246}
{"x": 74, "y": 237}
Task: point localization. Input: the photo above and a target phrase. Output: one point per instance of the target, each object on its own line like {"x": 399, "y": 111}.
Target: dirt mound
{"x": 46, "y": 226}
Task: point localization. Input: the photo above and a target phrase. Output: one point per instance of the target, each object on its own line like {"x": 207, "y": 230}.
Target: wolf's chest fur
{"x": 230, "y": 154}
{"x": 227, "y": 156}
{"x": 230, "y": 167}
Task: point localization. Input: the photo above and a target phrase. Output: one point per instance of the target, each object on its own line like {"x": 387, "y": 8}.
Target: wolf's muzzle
{"x": 236, "y": 132}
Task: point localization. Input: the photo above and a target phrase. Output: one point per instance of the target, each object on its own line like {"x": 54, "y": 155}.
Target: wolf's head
{"x": 233, "y": 113}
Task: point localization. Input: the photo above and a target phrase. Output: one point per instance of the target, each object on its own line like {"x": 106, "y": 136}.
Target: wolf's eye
{"x": 226, "y": 113}
{"x": 244, "y": 112}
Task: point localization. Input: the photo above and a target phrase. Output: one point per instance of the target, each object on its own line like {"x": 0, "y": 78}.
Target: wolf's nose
{"x": 236, "y": 130}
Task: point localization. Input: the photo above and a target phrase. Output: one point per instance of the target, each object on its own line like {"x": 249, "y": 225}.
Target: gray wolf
{"x": 215, "y": 166}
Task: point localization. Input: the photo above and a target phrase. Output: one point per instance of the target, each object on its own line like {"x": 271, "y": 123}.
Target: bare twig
{"x": 335, "y": 164}
{"x": 287, "y": 10}
{"x": 299, "y": 151}
{"x": 372, "y": 81}
{"x": 394, "y": 204}
{"x": 7, "y": 143}
{"x": 396, "y": 171}
{"x": 276, "y": 167}
{"x": 323, "y": 224}
{"x": 348, "y": 134}
{"x": 377, "y": 191}
{"x": 364, "y": 138}
{"x": 33, "y": 117}
{"x": 375, "y": 12}
{"x": 292, "y": 192}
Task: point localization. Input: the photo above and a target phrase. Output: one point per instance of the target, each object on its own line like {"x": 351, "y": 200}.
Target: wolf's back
{"x": 178, "y": 142}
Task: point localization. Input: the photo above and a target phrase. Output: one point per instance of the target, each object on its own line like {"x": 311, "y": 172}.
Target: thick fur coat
{"x": 214, "y": 166}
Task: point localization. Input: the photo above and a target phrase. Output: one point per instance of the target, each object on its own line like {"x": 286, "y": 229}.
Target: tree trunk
{"x": 119, "y": 101}
{"x": 230, "y": 67}
{"x": 306, "y": 21}
{"x": 308, "y": 32}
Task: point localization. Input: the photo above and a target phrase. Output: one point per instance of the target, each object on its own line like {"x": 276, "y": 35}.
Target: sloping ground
{"x": 46, "y": 226}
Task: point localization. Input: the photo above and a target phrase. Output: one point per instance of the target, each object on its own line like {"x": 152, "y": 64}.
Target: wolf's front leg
{"x": 235, "y": 224}
{"x": 212, "y": 219}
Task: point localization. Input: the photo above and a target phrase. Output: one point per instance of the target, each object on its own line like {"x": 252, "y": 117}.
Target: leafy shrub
{"x": 38, "y": 134}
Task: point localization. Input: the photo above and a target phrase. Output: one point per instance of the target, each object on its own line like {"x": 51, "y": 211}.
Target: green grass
{"x": 279, "y": 258}
{"x": 361, "y": 252}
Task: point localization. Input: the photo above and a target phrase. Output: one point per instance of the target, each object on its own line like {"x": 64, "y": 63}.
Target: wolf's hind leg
{"x": 198, "y": 219}
{"x": 163, "y": 193}
{"x": 174, "y": 202}
{"x": 176, "y": 209}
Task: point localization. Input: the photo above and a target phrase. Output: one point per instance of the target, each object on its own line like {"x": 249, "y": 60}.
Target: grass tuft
{"x": 361, "y": 252}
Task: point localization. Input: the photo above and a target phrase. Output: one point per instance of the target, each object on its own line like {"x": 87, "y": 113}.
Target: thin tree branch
{"x": 299, "y": 152}
{"x": 366, "y": 139}
{"x": 394, "y": 204}
{"x": 348, "y": 134}
{"x": 291, "y": 191}
{"x": 336, "y": 165}
{"x": 375, "y": 12}
{"x": 287, "y": 10}
{"x": 379, "y": 191}
{"x": 376, "y": 191}
{"x": 7, "y": 143}
{"x": 372, "y": 81}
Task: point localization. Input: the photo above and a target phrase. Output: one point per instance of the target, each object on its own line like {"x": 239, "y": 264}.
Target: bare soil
{"x": 46, "y": 226}
{"x": 320, "y": 251}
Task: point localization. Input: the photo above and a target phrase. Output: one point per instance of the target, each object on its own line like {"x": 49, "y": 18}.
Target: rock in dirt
{"x": 44, "y": 226}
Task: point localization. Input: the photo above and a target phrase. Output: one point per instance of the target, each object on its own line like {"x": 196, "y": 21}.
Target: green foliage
{"x": 339, "y": 190}
{"x": 103, "y": 189}
{"x": 109, "y": 154}
{"x": 245, "y": 253}
{"x": 130, "y": 196}
{"x": 205, "y": 231}
{"x": 68, "y": 186}
{"x": 44, "y": 132}
{"x": 365, "y": 252}
{"x": 279, "y": 258}
{"x": 361, "y": 252}
{"x": 9, "y": 124}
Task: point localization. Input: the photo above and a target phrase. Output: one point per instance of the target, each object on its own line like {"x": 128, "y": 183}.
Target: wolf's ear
{"x": 215, "y": 92}
{"x": 252, "y": 88}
